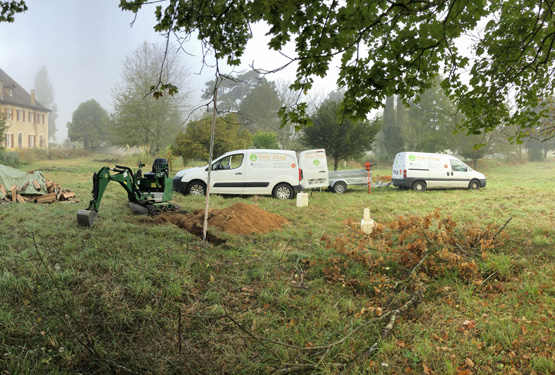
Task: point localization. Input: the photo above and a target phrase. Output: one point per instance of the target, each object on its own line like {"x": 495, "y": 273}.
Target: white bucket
{"x": 302, "y": 199}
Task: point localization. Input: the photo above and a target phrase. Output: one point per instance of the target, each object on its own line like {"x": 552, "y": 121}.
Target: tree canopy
{"x": 194, "y": 143}
{"x": 232, "y": 90}
{"x": 45, "y": 95}
{"x": 341, "y": 137}
{"x": 141, "y": 120}
{"x": 265, "y": 140}
{"x": 391, "y": 48}
{"x": 9, "y": 8}
{"x": 88, "y": 124}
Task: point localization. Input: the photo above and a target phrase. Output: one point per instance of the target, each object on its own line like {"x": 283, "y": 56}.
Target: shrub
{"x": 10, "y": 158}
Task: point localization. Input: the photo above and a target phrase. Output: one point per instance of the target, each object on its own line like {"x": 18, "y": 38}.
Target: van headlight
{"x": 180, "y": 173}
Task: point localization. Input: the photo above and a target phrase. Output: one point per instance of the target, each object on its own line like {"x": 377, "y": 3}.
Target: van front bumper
{"x": 179, "y": 185}
{"x": 483, "y": 183}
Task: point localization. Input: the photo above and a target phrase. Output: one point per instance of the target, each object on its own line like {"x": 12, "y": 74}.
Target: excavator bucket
{"x": 86, "y": 218}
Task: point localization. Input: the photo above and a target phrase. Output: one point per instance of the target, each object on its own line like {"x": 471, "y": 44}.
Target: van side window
{"x": 229, "y": 162}
{"x": 458, "y": 166}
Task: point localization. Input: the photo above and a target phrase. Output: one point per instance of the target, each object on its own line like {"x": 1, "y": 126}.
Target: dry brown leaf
{"x": 469, "y": 324}
{"x": 468, "y": 362}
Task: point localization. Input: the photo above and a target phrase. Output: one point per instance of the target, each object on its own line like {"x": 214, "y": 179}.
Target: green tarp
{"x": 10, "y": 176}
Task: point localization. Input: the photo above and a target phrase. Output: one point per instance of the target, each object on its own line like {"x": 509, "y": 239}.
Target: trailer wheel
{"x": 474, "y": 185}
{"x": 339, "y": 187}
{"x": 419, "y": 186}
{"x": 196, "y": 188}
{"x": 283, "y": 191}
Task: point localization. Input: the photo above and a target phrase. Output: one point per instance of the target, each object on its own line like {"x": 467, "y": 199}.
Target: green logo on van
{"x": 412, "y": 157}
{"x": 253, "y": 157}
{"x": 316, "y": 162}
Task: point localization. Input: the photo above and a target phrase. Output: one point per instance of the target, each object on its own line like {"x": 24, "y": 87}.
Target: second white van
{"x": 420, "y": 171}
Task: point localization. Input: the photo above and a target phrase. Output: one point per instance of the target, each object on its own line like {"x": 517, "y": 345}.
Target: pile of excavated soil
{"x": 240, "y": 218}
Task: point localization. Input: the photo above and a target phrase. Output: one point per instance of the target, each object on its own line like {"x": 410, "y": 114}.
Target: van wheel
{"x": 339, "y": 187}
{"x": 196, "y": 188}
{"x": 419, "y": 186}
{"x": 474, "y": 185}
{"x": 283, "y": 191}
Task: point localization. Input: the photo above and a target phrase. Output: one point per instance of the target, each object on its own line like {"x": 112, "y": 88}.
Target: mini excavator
{"x": 149, "y": 194}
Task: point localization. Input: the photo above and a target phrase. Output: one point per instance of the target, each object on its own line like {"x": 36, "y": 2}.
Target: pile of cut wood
{"x": 53, "y": 193}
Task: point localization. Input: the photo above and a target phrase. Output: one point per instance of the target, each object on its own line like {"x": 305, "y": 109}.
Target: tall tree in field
{"x": 390, "y": 140}
{"x": 194, "y": 143}
{"x": 89, "y": 124}
{"x": 232, "y": 89}
{"x": 45, "y": 95}
{"x": 142, "y": 120}
{"x": 259, "y": 112}
{"x": 387, "y": 48}
{"x": 430, "y": 122}
{"x": 289, "y": 134}
{"x": 342, "y": 138}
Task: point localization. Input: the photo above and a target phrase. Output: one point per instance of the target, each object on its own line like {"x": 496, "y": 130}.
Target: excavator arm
{"x": 124, "y": 176}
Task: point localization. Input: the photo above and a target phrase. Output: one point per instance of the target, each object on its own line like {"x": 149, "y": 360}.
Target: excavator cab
{"x": 155, "y": 182}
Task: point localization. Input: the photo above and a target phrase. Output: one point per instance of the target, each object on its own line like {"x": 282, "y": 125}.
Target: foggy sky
{"x": 83, "y": 44}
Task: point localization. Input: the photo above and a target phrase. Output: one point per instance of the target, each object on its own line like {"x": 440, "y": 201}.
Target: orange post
{"x": 368, "y": 166}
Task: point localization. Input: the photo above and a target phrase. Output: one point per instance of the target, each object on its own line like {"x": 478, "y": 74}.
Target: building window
{"x": 32, "y": 140}
{"x": 20, "y": 140}
{"x": 20, "y": 115}
{"x": 8, "y": 113}
{"x": 9, "y": 140}
{"x": 41, "y": 141}
{"x": 31, "y": 117}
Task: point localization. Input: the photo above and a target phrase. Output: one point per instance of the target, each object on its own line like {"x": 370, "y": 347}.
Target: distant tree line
{"x": 432, "y": 124}
{"x": 249, "y": 107}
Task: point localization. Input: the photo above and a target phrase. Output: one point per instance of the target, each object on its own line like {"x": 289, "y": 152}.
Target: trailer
{"x": 315, "y": 172}
{"x": 340, "y": 180}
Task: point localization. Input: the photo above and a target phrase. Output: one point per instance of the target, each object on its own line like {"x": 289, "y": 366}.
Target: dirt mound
{"x": 240, "y": 218}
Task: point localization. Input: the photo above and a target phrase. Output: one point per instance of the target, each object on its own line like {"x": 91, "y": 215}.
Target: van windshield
{"x": 458, "y": 166}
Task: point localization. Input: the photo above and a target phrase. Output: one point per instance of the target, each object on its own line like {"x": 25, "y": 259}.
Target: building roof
{"x": 19, "y": 96}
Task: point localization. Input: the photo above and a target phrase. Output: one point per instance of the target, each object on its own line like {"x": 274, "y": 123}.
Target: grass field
{"x": 441, "y": 287}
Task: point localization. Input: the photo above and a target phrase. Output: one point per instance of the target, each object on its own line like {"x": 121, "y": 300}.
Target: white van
{"x": 314, "y": 166}
{"x": 420, "y": 171}
{"x": 248, "y": 172}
